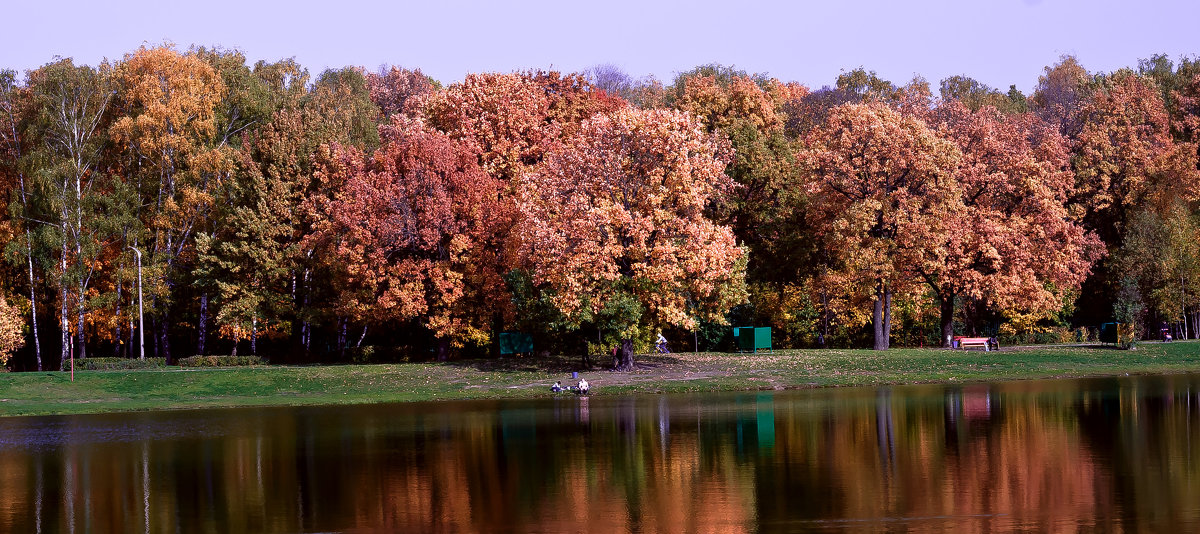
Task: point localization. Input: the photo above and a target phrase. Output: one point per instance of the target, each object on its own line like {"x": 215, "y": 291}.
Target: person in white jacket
{"x": 582, "y": 388}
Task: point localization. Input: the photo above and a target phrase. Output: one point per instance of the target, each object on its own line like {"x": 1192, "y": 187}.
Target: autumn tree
{"x": 614, "y": 218}
{"x": 394, "y": 89}
{"x": 168, "y": 115}
{"x": 337, "y": 111}
{"x": 1186, "y": 123}
{"x": 245, "y": 261}
{"x": 612, "y": 80}
{"x": 1172, "y": 81}
{"x": 69, "y": 107}
{"x": 1061, "y": 93}
{"x": 867, "y": 85}
{"x": 1124, "y": 146}
{"x": 409, "y": 228}
{"x": 277, "y": 170}
{"x": 765, "y": 211}
{"x": 881, "y": 189}
{"x": 1125, "y": 159}
{"x": 1158, "y": 252}
{"x": 246, "y": 216}
{"x": 810, "y": 110}
{"x": 11, "y": 335}
{"x": 572, "y": 99}
{"x": 1015, "y": 246}
{"x": 501, "y": 117}
{"x": 13, "y": 148}
{"x": 974, "y": 95}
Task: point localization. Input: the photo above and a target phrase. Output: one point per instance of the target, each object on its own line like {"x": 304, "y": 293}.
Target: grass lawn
{"x": 175, "y": 388}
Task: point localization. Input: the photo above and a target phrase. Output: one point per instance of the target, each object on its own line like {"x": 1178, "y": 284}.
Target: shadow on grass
{"x": 557, "y": 363}
{"x": 1097, "y": 346}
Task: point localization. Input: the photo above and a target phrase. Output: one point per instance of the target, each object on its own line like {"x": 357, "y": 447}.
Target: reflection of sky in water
{"x": 47, "y": 433}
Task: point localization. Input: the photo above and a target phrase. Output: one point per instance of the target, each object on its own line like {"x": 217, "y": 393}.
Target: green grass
{"x": 176, "y": 388}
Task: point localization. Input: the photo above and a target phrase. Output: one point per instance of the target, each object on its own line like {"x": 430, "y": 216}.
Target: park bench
{"x": 974, "y": 342}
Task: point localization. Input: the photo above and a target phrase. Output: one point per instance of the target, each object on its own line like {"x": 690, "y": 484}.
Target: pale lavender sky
{"x": 998, "y": 42}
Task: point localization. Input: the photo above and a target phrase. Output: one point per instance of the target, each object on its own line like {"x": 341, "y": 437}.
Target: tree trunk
{"x": 1183, "y": 306}
{"x": 947, "y": 309}
{"x": 254, "y": 336}
{"x": 1195, "y": 325}
{"x": 63, "y": 321}
{"x": 164, "y": 328}
{"x": 881, "y": 317}
{"x": 361, "y": 337}
{"x": 306, "y": 329}
{"x": 80, "y": 307}
{"x": 625, "y": 356}
{"x": 119, "y": 346}
{"x": 443, "y": 349}
{"x": 823, "y": 337}
{"x": 887, "y": 317}
{"x": 16, "y": 145}
{"x": 81, "y": 352}
{"x": 37, "y": 344}
{"x": 341, "y": 337}
{"x": 203, "y": 326}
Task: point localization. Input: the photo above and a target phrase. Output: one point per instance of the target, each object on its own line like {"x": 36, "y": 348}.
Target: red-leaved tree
{"x": 408, "y": 230}
{"x": 1015, "y": 246}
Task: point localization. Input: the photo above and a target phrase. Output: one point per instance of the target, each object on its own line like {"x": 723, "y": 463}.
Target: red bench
{"x": 974, "y": 342}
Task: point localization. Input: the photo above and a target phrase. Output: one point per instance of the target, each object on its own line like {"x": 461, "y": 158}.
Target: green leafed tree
{"x": 70, "y": 108}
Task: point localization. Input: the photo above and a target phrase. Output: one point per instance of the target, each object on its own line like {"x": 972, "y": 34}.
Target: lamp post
{"x": 141, "y": 323}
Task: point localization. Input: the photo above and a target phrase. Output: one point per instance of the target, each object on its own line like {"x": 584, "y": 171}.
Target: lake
{"x": 1106, "y": 454}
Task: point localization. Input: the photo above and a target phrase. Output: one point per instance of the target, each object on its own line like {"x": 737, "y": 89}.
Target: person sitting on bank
{"x": 557, "y": 387}
{"x": 582, "y": 388}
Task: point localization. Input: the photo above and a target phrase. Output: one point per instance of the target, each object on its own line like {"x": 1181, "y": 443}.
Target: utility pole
{"x": 141, "y": 322}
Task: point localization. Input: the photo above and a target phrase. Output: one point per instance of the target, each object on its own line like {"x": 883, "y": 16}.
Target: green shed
{"x": 751, "y": 339}
{"x": 515, "y": 343}
{"x": 1108, "y": 333}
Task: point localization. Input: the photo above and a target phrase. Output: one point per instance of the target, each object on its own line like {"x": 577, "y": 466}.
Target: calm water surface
{"x": 1119, "y": 454}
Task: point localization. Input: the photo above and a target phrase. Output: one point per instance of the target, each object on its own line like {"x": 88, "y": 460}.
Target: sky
{"x": 998, "y": 42}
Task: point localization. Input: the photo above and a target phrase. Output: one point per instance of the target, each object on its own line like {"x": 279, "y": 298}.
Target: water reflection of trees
{"x": 1027, "y": 455}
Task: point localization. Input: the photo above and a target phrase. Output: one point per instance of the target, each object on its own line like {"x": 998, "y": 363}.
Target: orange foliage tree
{"x": 502, "y": 117}
{"x": 1125, "y": 152}
{"x": 881, "y": 188}
{"x": 614, "y": 218}
{"x": 168, "y": 108}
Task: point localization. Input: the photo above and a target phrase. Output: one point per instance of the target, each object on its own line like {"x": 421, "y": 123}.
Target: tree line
{"x": 207, "y": 205}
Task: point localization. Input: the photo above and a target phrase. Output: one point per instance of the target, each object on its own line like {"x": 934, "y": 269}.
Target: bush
{"x": 12, "y": 326}
{"x": 117, "y": 364}
{"x": 1041, "y": 335}
{"x": 220, "y": 361}
{"x": 364, "y": 354}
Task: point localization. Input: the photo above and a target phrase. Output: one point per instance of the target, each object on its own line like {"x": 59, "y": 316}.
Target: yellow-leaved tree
{"x": 11, "y": 326}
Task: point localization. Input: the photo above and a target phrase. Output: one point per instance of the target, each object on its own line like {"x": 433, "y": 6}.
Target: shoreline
{"x": 174, "y": 388}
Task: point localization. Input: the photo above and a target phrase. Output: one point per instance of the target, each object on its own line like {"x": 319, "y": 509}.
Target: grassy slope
{"x": 109, "y": 391}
